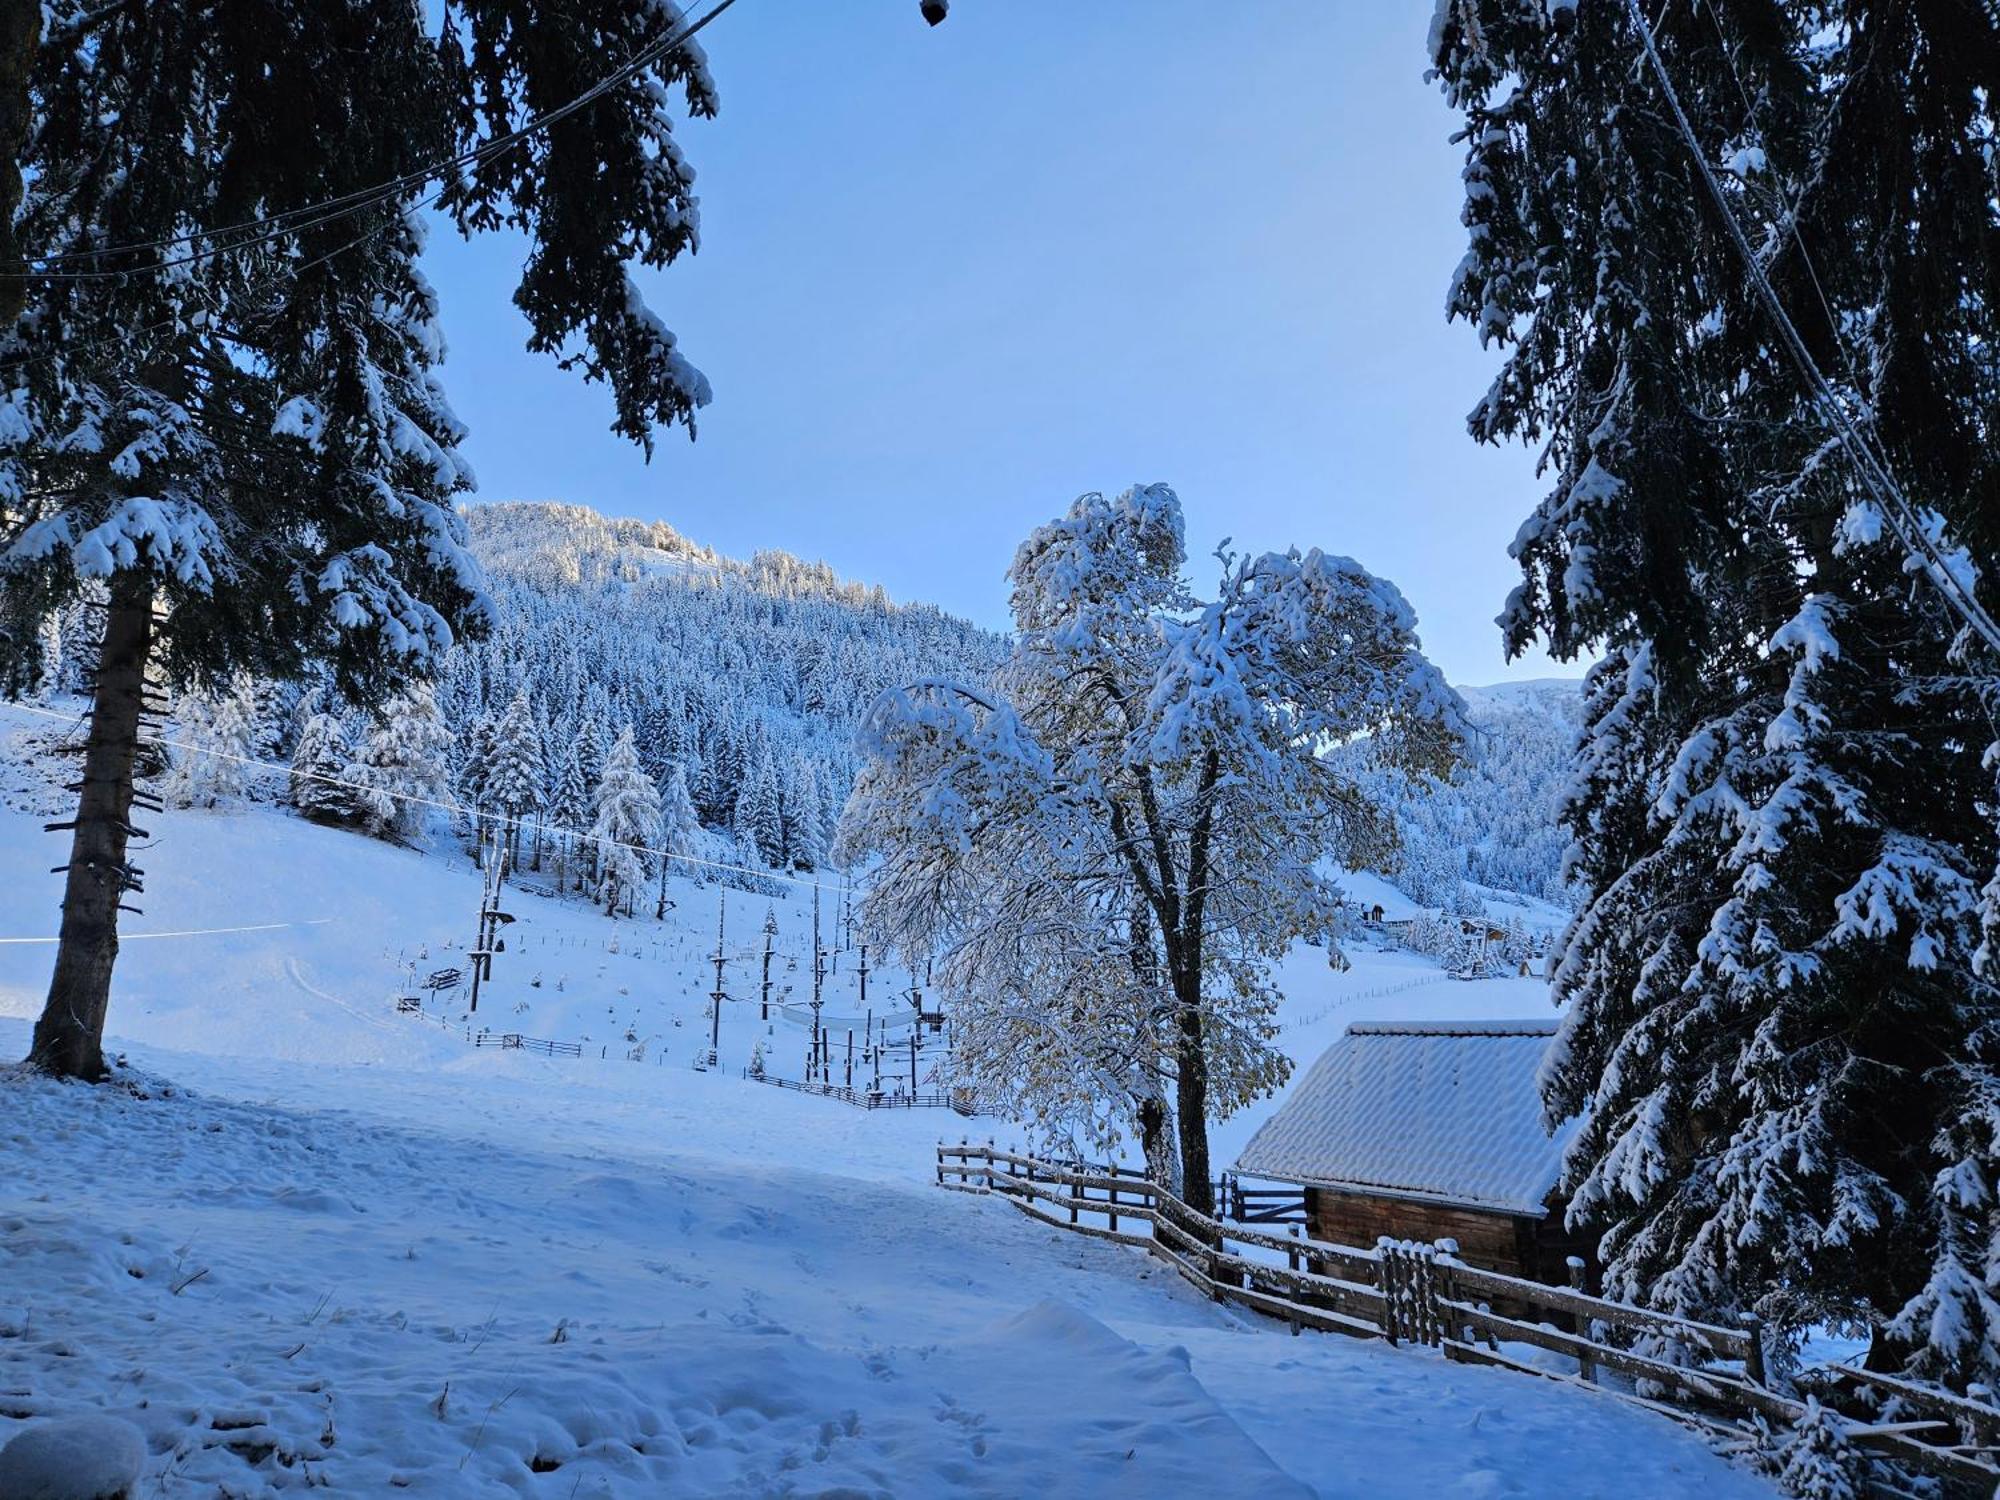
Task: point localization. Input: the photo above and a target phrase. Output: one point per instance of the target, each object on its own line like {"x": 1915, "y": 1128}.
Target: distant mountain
{"x": 743, "y": 674}
{"x": 1494, "y": 824}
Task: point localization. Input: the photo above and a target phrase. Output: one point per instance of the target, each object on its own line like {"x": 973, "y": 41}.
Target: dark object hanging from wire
{"x": 934, "y": 11}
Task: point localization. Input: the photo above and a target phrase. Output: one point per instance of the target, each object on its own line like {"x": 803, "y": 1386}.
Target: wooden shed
{"x": 1425, "y": 1130}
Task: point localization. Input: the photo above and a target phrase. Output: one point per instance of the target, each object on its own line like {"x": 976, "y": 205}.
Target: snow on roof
{"x": 1442, "y": 1110}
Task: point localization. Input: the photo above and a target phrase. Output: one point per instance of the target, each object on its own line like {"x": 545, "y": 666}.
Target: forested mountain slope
{"x": 1494, "y": 824}
{"x": 749, "y": 676}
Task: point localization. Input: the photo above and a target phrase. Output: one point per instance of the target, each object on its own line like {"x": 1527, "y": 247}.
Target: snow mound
{"x": 84, "y": 1458}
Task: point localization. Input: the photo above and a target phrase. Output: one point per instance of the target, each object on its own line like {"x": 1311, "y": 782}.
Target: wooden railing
{"x": 963, "y": 1103}
{"x": 1703, "y": 1374}
{"x": 513, "y": 1041}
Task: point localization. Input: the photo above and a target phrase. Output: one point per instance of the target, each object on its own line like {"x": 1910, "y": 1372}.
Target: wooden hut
{"x": 1426, "y": 1130}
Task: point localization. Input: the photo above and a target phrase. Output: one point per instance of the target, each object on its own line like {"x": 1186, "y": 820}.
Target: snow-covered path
{"x": 505, "y": 1277}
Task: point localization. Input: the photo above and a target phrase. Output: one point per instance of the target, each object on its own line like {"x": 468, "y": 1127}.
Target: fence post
{"x": 1075, "y": 1197}
{"x": 1753, "y": 1359}
{"x": 1430, "y": 1319}
{"x": 1386, "y": 1277}
{"x": 1443, "y": 1264}
{"x": 1585, "y": 1365}
{"x": 1114, "y": 1197}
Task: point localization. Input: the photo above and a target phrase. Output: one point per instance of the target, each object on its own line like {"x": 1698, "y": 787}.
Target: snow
{"x": 84, "y": 1458}
{"x": 315, "y": 1241}
{"x": 178, "y": 538}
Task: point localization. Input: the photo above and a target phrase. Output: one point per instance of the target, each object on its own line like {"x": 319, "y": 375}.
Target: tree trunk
{"x": 69, "y": 1038}
{"x": 20, "y": 36}
{"x": 1191, "y": 1094}
{"x": 1163, "y": 1164}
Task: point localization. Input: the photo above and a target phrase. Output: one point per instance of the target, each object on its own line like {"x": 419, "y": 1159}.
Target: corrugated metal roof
{"x": 1445, "y": 1110}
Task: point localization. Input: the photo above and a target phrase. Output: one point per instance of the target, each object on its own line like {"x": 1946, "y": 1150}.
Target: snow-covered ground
{"x": 328, "y": 1244}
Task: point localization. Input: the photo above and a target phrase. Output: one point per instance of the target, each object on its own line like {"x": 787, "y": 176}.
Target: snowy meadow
{"x": 349, "y": 1250}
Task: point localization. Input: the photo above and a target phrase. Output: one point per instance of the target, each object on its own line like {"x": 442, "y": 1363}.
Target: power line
{"x": 136, "y": 937}
{"x": 492, "y": 818}
{"x": 126, "y": 336}
{"x": 1873, "y": 468}
{"x": 311, "y": 215}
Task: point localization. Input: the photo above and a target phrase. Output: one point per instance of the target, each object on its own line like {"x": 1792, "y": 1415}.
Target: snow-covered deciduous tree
{"x": 317, "y": 785}
{"x": 402, "y": 767}
{"x": 1779, "y": 1026}
{"x": 626, "y": 823}
{"x": 246, "y": 447}
{"x": 1105, "y": 853}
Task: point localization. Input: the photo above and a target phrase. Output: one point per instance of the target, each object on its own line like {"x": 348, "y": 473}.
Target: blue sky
{"x": 950, "y": 279}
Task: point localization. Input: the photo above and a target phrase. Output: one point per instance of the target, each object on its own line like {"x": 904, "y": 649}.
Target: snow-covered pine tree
{"x": 1105, "y": 853}
{"x": 569, "y": 809}
{"x": 401, "y": 769}
{"x": 805, "y": 819}
{"x": 1817, "y": 1461}
{"x": 661, "y": 748}
{"x": 214, "y": 738}
{"x": 514, "y": 774}
{"x": 627, "y": 815}
{"x": 705, "y": 787}
{"x": 759, "y": 821}
{"x": 474, "y": 748}
{"x": 249, "y": 451}
{"x": 319, "y": 772}
{"x": 679, "y": 827}
{"x": 273, "y": 715}
{"x": 1777, "y": 1021}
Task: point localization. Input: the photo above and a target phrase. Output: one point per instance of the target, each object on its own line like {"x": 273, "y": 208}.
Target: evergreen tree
{"x": 514, "y": 776}
{"x": 1779, "y": 1024}
{"x": 758, "y": 822}
{"x": 475, "y": 765}
{"x": 805, "y": 820}
{"x": 679, "y": 825}
{"x": 679, "y": 829}
{"x": 401, "y": 767}
{"x": 569, "y": 809}
{"x": 248, "y": 450}
{"x": 319, "y": 771}
{"x": 590, "y": 750}
{"x": 627, "y": 814}
{"x": 1817, "y": 1460}
{"x": 214, "y": 736}
{"x": 663, "y": 743}
{"x": 273, "y": 718}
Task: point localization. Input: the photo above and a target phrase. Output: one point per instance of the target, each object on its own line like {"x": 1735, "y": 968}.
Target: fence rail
{"x": 1706, "y": 1375}
{"x": 962, "y": 1103}
{"x": 513, "y": 1041}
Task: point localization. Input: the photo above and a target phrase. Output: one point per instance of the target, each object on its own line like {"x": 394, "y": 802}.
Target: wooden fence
{"x": 963, "y": 1103}
{"x": 513, "y": 1041}
{"x": 1705, "y": 1375}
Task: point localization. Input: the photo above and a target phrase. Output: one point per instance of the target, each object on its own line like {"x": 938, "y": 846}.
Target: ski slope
{"x": 327, "y": 1244}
